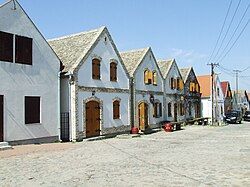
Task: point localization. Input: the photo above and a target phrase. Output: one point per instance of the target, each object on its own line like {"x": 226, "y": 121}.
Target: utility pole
{"x": 236, "y": 83}
{"x": 212, "y": 76}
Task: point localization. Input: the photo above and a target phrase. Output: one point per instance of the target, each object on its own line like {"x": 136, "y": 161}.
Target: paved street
{"x": 195, "y": 156}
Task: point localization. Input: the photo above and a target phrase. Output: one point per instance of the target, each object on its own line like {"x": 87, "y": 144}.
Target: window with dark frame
{"x": 23, "y": 50}
{"x": 96, "y": 65}
{"x": 157, "y": 110}
{"x": 169, "y": 110}
{"x": 6, "y": 47}
{"x": 116, "y": 109}
{"x": 32, "y": 109}
{"x": 113, "y": 71}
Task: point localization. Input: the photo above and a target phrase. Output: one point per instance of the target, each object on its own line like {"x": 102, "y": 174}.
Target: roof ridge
{"x": 169, "y": 59}
{"x": 100, "y": 29}
{"x": 7, "y": 2}
{"x": 134, "y": 50}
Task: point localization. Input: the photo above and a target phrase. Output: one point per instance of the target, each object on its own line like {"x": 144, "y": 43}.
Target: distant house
{"x": 29, "y": 92}
{"x": 227, "y": 93}
{"x": 240, "y": 100}
{"x": 94, "y": 85}
{"x": 192, "y": 95}
{"x": 173, "y": 91}
{"x": 146, "y": 88}
{"x": 205, "y": 83}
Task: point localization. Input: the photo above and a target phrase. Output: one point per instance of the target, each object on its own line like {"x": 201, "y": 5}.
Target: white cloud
{"x": 186, "y": 56}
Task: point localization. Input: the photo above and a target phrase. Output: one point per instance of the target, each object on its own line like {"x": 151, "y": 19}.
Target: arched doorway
{"x": 92, "y": 119}
{"x": 143, "y": 116}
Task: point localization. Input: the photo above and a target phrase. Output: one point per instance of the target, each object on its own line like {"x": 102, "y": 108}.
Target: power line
{"x": 228, "y": 29}
{"x": 237, "y": 27}
{"x": 234, "y": 41}
{"x": 222, "y": 28}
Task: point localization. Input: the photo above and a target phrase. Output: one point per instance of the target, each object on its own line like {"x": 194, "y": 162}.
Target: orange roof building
{"x": 205, "y": 85}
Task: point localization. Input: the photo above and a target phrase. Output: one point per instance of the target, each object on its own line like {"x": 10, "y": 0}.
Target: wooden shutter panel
{"x": 155, "y": 78}
{"x": 197, "y": 87}
{"x": 175, "y": 83}
{"x": 146, "y": 76}
{"x": 96, "y": 69}
{"x": 116, "y": 110}
{"x": 6, "y": 47}
{"x": 113, "y": 71}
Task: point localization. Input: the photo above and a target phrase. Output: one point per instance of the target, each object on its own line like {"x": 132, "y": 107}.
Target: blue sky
{"x": 186, "y": 30}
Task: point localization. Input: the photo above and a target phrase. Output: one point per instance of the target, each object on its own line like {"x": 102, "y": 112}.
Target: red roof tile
{"x": 205, "y": 85}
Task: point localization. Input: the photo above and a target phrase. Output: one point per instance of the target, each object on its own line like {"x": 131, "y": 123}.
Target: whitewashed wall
{"x": 106, "y": 52}
{"x": 150, "y": 64}
{"x": 107, "y": 99}
{"x": 18, "y": 81}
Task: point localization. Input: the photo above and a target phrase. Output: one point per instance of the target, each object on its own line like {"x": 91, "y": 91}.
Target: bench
{"x": 175, "y": 125}
{"x": 201, "y": 121}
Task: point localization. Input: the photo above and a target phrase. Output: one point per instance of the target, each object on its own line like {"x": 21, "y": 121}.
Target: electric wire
{"x": 222, "y": 28}
{"x": 227, "y": 30}
{"x": 237, "y": 27}
{"x": 235, "y": 41}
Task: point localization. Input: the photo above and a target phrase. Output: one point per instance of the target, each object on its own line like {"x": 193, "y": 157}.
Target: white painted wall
{"x": 151, "y": 119}
{"x": 107, "y": 99}
{"x": 18, "y": 81}
{"x": 206, "y": 107}
{"x": 150, "y": 64}
{"x": 106, "y": 52}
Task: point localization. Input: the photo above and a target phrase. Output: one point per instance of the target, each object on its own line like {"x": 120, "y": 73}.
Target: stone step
{"x": 4, "y": 146}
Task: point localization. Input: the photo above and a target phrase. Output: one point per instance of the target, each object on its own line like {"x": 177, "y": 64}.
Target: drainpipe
{"x": 59, "y": 105}
{"x": 132, "y": 99}
{"x": 71, "y": 81}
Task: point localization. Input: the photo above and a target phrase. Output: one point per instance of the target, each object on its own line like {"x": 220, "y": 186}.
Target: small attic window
{"x": 105, "y": 40}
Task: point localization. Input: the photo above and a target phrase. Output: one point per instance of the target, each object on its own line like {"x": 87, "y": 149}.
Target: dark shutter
{"x": 96, "y": 65}
{"x": 23, "y": 50}
{"x": 116, "y": 110}
{"x": 32, "y": 110}
{"x": 6, "y": 47}
{"x": 113, "y": 71}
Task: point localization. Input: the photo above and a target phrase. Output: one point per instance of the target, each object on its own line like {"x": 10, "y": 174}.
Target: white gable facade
{"x": 91, "y": 102}
{"x": 29, "y": 89}
{"x": 174, "y": 94}
{"x": 151, "y": 94}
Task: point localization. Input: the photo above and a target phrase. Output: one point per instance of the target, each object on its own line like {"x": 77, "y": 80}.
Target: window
{"x": 155, "y": 77}
{"x": 192, "y": 87}
{"x": 181, "y": 84}
{"x": 197, "y": 88}
{"x": 157, "y": 112}
{"x": 6, "y": 47}
{"x": 178, "y": 83}
{"x": 169, "y": 110}
{"x": 32, "y": 110}
{"x": 146, "y": 76}
{"x": 218, "y": 91}
{"x": 96, "y": 69}
{"x": 228, "y": 94}
{"x": 113, "y": 71}
{"x": 172, "y": 83}
{"x": 116, "y": 109}
{"x": 23, "y": 50}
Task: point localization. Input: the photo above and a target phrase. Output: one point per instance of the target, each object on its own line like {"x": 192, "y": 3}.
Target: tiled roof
{"x": 133, "y": 58}
{"x": 71, "y": 49}
{"x": 165, "y": 66}
{"x": 205, "y": 85}
{"x": 224, "y": 87}
{"x": 184, "y": 73}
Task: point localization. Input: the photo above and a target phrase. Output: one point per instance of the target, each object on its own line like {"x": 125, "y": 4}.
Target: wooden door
{"x": 143, "y": 116}
{"x": 92, "y": 119}
{"x": 175, "y": 112}
{"x": 1, "y": 118}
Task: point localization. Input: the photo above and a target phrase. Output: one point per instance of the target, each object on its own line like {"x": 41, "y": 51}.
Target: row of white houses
{"x": 81, "y": 86}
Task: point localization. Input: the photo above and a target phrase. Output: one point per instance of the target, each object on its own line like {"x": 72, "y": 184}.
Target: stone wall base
{"x": 49, "y": 139}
